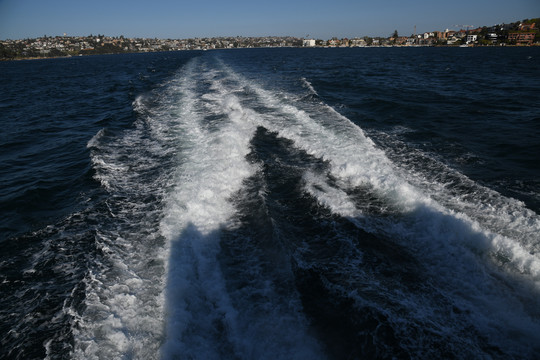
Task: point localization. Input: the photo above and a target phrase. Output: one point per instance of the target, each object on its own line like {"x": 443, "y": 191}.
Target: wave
{"x": 309, "y": 86}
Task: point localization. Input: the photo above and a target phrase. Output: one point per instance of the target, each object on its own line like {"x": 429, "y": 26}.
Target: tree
{"x": 6, "y": 53}
{"x": 56, "y": 52}
{"x": 394, "y": 37}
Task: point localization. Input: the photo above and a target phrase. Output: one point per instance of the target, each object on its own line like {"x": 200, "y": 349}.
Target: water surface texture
{"x": 271, "y": 204}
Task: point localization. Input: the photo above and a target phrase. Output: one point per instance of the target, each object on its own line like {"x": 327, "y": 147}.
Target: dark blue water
{"x": 282, "y": 203}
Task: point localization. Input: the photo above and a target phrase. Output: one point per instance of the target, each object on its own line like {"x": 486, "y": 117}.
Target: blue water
{"x": 272, "y": 203}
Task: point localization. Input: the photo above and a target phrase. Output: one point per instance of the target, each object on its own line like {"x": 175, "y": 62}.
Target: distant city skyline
{"x": 21, "y": 19}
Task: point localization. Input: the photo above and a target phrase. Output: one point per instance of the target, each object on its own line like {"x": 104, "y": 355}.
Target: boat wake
{"x": 245, "y": 221}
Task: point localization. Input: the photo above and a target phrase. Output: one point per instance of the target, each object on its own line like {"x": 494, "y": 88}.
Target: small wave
{"x": 309, "y": 86}
{"x": 95, "y": 140}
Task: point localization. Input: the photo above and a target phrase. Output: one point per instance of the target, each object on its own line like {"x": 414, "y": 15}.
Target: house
{"x": 333, "y": 42}
{"x": 357, "y": 42}
{"x": 472, "y": 38}
{"x": 308, "y": 42}
{"x": 522, "y": 38}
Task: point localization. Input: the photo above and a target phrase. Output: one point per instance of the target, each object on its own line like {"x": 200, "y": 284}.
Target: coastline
{"x": 275, "y": 47}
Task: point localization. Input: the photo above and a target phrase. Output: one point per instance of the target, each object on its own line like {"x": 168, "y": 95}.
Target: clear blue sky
{"x": 211, "y": 18}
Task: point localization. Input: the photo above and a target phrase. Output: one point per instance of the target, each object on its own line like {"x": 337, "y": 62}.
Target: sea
{"x": 278, "y": 203}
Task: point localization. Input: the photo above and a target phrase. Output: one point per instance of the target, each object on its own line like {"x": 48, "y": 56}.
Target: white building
{"x": 308, "y": 42}
{"x": 471, "y": 38}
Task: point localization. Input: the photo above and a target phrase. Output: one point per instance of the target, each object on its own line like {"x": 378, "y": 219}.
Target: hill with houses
{"x": 521, "y": 33}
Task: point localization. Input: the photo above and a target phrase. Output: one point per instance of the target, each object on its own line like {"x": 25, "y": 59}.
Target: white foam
{"x": 124, "y": 302}
{"x": 203, "y": 321}
{"x": 461, "y": 255}
{"x": 355, "y": 161}
{"x": 461, "y": 251}
{"x": 198, "y": 117}
{"x": 123, "y": 312}
{"x": 494, "y": 212}
{"x": 209, "y": 132}
{"x": 214, "y": 170}
{"x": 199, "y": 206}
{"x": 309, "y": 86}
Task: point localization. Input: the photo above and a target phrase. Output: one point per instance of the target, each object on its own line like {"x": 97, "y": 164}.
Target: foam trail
{"x": 449, "y": 242}
{"x": 124, "y": 300}
{"x": 196, "y": 210}
{"x": 444, "y": 240}
{"x": 203, "y": 319}
{"x": 356, "y": 162}
{"x": 496, "y": 213}
{"x": 213, "y": 170}
{"x": 202, "y": 128}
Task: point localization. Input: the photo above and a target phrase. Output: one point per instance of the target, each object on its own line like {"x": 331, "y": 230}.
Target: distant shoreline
{"x": 521, "y": 33}
{"x": 276, "y": 47}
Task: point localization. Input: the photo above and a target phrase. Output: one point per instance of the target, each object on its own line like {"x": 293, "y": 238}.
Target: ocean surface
{"x": 367, "y": 203}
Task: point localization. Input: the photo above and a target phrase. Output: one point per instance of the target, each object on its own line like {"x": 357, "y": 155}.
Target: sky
{"x": 319, "y": 19}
